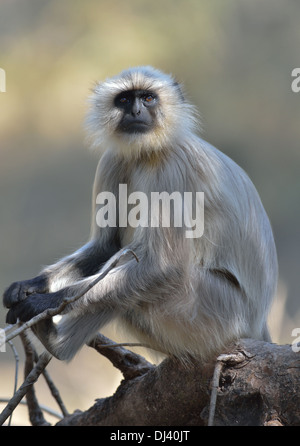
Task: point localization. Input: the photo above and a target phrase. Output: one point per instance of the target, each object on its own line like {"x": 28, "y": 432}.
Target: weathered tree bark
{"x": 263, "y": 389}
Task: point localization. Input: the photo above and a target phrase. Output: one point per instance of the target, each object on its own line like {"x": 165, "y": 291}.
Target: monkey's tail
{"x": 64, "y": 339}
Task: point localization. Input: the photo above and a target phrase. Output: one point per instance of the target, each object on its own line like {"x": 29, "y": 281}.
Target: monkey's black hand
{"x": 18, "y": 291}
{"x": 31, "y": 306}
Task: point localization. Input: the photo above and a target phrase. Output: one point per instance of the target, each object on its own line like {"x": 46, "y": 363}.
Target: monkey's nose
{"x": 136, "y": 110}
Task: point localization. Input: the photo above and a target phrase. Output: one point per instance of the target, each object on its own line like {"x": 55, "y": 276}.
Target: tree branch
{"x": 129, "y": 363}
{"x": 261, "y": 389}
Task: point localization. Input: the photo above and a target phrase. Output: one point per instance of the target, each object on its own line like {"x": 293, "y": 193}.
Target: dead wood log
{"x": 262, "y": 389}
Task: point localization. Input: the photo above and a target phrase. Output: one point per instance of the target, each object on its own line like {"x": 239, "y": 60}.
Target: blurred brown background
{"x": 235, "y": 59}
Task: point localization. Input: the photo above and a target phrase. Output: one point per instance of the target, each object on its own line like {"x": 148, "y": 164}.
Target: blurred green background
{"x": 235, "y": 58}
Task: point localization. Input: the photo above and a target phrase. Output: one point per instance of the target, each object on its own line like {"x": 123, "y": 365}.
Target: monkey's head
{"x": 141, "y": 109}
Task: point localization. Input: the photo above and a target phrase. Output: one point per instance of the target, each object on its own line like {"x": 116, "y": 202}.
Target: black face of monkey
{"x": 138, "y": 107}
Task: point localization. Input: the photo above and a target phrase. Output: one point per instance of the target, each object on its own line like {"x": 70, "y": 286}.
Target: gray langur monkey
{"x": 187, "y": 296}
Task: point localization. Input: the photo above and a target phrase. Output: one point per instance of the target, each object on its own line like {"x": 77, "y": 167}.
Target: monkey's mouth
{"x": 136, "y": 127}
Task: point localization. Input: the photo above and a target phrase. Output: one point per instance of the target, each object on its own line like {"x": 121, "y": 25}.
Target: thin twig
{"x": 9, "y": 327}
{"x": 55, "y": 393}
{"x": 31, "y": 379}
{"x": 232, "y": 359}
{"x": 125, "y": 344}
{"x": 44, "y": 408}
{"x": 16, "y": 356}
{"x": 36, "y": 415}
{"x": 214, "y": 390}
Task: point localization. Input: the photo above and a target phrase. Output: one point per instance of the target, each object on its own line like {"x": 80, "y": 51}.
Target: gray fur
{"x": 185, "y": 296}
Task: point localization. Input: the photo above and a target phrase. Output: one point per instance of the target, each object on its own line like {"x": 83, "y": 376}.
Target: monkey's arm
{"x": 84, "y": 262}
{"x": 140, "y": 281}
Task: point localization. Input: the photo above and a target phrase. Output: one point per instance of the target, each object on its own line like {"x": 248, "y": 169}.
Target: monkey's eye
{"x": 124, "y": 100}
{"x": 149, "y": 98}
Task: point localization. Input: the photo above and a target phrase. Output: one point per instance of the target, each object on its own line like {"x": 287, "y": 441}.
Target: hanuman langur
{"x": 187, "y": 296}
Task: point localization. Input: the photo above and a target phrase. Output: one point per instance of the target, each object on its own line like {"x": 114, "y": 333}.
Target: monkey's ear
{"x": 179, "y": 89}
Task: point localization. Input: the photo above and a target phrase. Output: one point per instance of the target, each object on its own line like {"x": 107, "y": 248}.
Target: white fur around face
{"x": 174, "y": 115}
